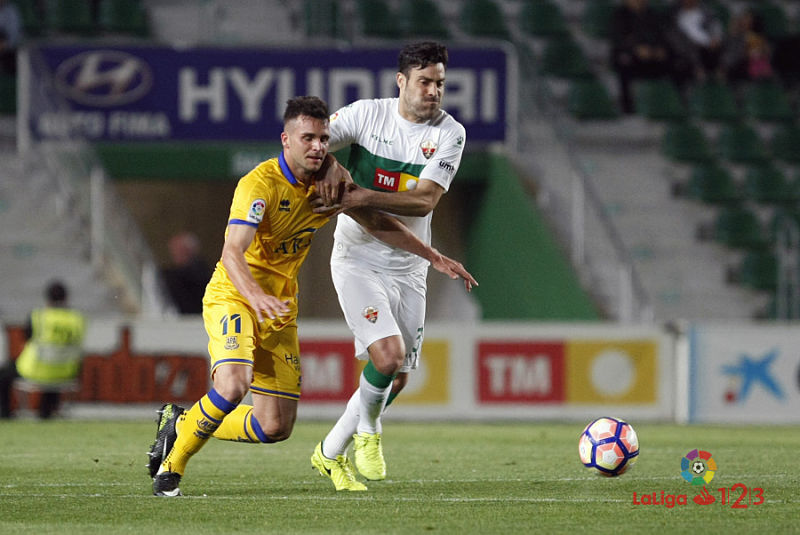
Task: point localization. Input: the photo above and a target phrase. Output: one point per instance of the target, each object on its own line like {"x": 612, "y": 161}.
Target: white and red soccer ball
{"x": 609, "y": 445}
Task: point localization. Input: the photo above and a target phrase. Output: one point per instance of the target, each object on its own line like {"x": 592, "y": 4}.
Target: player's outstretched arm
{"x": 236, "y": 243}
{"x": 392, "y": 231}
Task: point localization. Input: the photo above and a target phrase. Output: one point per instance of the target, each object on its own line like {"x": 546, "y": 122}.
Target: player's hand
{"x": 318, "y": 203}
{"x": 269, "y": 306}
{"x": 453, "y": 269}
{"x": 328, "y": 181}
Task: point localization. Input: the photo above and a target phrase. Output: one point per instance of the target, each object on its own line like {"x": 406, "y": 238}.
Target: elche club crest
{"x": 371, "y": 314}
{"x": 428, "y": 147}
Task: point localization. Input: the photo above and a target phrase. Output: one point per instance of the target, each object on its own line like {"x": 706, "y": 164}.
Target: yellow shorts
{"x": 236, "y": 337}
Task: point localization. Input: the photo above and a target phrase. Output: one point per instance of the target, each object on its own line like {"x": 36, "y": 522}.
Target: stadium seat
{"x": 377, "y": 19}
{"x": 8, "y": 94}
{"x": 713, "y": 184}
{"x": 785, "y": 143}
{"x": 321, "y": 18}
{"x": 542, "y": 18}
{"x": 782, "y": 215}
{"x": 70, "y": 16}
{"x": 124, "y": 16}
{"x": 773, "y": 18}
{"x": 767, "y": 184}
{"x": 758, "y": 269}
{"x": 563, "y": 57}
{"x": 32, "y": 19}
{"x": 658, "y": 100}
{"x": 740, "y": 143}
{"x": 483, "y": 18}
{"x": 767, "y": 101}
{"x": 596, "y": 18}
{"x": 713, "y": 101}
{"x": 588, "y": 99}
{"x": 423, "y": 18}
{"x": 686, "y": 142}
{"x": 736, "y": 226}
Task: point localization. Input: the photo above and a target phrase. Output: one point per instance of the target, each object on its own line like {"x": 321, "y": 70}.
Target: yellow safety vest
{"x": 54, "y": 352}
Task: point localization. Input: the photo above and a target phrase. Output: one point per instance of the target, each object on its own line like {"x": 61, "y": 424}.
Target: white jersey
{"x": 390, "y": 153}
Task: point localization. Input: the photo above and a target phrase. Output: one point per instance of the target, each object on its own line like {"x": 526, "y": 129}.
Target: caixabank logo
{"x": 698, "y": 469}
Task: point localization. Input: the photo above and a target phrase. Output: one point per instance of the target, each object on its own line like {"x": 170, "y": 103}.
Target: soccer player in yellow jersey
{"x": 250, "y": 304}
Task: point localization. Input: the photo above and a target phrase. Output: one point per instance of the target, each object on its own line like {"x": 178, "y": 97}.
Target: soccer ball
{"x": 609, "y": 445}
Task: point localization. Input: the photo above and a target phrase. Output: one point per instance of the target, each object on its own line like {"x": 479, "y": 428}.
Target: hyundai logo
{"x": 104, "y": 78}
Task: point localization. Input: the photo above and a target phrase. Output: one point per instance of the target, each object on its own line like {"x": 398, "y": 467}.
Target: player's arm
{"x": 330, "y": 184}
{"x": 236, "y": 243}
{"x": 392, "y": 231}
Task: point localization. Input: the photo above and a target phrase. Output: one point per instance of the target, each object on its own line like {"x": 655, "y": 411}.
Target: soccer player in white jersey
{"x": 404, "y": 153}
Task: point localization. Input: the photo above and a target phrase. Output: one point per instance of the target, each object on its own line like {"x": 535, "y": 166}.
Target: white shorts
{"x": 378, "y": 305}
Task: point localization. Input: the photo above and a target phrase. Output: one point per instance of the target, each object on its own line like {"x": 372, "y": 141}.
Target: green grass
{"x": 89, "y": 477}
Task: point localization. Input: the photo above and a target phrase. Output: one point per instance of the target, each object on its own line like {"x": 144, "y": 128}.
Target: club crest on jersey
{"x": 231, "y": 342}
{"x": 428, "y": 147}
{"x": 371, "y": 314}
{"x": 256, "y": 213}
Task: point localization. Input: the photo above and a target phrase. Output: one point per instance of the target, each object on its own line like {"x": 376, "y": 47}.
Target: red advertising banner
{"x": 515, "y": 372}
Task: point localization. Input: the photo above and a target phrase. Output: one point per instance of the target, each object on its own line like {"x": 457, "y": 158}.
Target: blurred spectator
{"x": 51, "y": 359}
{"x": 10, "y": 36}
{"x": 639, "y": 48}
{"x": 188, "y": 274}
{"x": 703, "y": 33}
{"x": 746, "y": 53}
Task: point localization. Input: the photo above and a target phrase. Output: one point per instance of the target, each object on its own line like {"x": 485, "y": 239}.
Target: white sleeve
{"x": 344, "y": 126}
{"x": 444, "y": 163}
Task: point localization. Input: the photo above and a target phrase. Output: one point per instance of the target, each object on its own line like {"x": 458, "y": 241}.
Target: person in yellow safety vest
{"x": 51, "y": 358}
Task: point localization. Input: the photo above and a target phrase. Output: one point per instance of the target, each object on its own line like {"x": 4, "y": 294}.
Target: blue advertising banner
{"x": 156, "y": 93}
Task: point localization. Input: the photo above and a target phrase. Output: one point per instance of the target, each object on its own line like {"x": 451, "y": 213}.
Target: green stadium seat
{"x": 785, "y": 143}
{"x": 713, "y": 101}
{"x": 33, "y": 23}
{"x": 423, "y": 18}
{"x": 712, "y": 184}
{"x": 686, "y": 142}
{"x": 321, "y": 18}
{"x": 774, "y": 19}
{"x": 124, "y": 16}
{"x": 759, "y": 270}
{"x": 767, "y": 184}
{"x": 767, "y": 101}
{"x": 658, "y": 100}
{"x": 589, "y": 100}
{"x": 740, "y": 143}
{"x": 542, "y": 18}
{"x": 736, "y": 226}
{"x": 377, "y": 19}
{"x": 596, "y": 18}
{"x": 483, "y": 18}
{"x": 70, "y": 16}
{"x": 563, "y": 57}
{"x": 8, "y": 94}
{"x": 782, "y": 215}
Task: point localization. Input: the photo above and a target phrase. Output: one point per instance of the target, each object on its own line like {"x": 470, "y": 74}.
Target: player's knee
{"x": 277, "y": 431}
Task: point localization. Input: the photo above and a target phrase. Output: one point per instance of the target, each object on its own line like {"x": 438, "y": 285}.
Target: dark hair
{"x": 56, "y": 292}
{"x": 420, "y": 55}
{"x": 313, "y": 107}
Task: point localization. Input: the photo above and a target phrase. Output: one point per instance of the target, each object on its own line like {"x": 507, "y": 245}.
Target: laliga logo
{"x": 698, "y": 468}
{"x": 104, "y": 78}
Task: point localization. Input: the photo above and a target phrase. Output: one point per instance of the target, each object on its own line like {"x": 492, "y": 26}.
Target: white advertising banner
{"x": 744, "y": 373}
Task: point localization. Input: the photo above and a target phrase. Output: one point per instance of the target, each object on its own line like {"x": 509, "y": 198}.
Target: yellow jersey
{"x": 270, "y": 199}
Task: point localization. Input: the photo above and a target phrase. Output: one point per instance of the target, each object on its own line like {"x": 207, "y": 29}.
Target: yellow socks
{"x": 201, "y": 421}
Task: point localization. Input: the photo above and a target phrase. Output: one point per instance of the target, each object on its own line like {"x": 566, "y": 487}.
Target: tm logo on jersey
{"x": 393, "y": 180}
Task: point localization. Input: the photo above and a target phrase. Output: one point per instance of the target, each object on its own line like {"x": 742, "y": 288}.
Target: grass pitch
{"x": 89, "y": 477}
